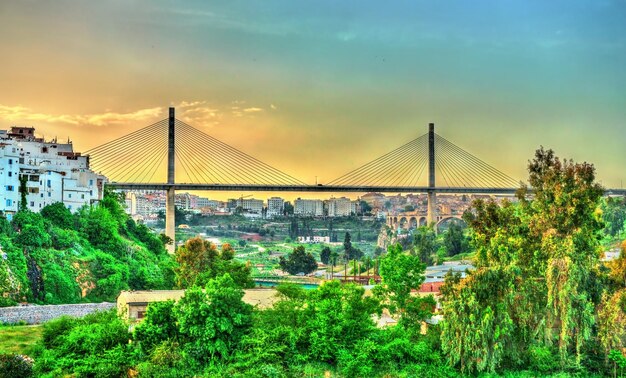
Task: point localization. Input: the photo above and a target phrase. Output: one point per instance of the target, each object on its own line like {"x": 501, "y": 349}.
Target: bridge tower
{"x": 431, "y": 217}
{"x": 170, "y": 200}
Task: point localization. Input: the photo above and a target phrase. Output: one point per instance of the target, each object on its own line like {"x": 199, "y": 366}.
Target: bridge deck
{"x": 324, "y": 188}
{"x": 308, "y": 188}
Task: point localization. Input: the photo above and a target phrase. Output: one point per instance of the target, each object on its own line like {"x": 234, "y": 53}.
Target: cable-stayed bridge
{"x": 171, "y": 155}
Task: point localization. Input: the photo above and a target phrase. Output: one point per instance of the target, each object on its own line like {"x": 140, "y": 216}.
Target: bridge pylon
{"x": 432, "y": 197}
{"x": 170, "y": 199}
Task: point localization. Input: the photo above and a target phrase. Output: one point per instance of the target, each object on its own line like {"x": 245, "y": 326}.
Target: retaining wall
{"x": 34, "y": 314}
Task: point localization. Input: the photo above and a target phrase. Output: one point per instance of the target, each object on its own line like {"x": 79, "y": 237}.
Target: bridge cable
{"x": 504, "y": 178}
{"x": 372, "y": 171}
{"x": 242, "y": 177}
{"x": 188, "y": 140}
{"x": 128, "y": 170}
{"x": 258, "y": 166}
{"x": 143, "y": 129}
{"x": 131, "y": 172}
{"x": 105, "y": 158}
{"x": 222, "y": 161}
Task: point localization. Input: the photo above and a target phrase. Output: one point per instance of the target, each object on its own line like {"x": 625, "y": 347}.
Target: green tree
{"x": 325, "y": 255}
{"x": 425, "y": 244}
{"x": 159, "y": 325}
{"x": 614, "y": 215}
{"x": 347, "y": 246}
{"x": 23, "y": 190}
{"x": 401, "y": 273}
{"x": 454, "y": 240}
{"x": 212, "y": 322}
{"x": 93, "y": 346}
{"x": 350, "y": 252}
{"x": 298, "y": 261}
{"x": 337, "y": 317}
{"x": 288, "y": 208}
{"x": 366, "y": 209}
{"x": 199, "y": 262}
{"x": 59, "y": 215}
{"x": 536, "y": 273}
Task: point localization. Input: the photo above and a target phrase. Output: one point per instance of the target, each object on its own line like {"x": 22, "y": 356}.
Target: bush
{"x": 542, "y": 358}
{"x": 54, "y": 329}
{"x": 15, "y": 365}
{"x": 158, "y": 326}
{"x": 94, "y": 346}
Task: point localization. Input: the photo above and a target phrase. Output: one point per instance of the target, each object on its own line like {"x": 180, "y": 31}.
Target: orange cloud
{"x": 21, "y": 113}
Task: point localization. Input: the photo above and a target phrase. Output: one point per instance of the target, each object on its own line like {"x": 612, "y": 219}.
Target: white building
{"x": 310, "y": 207}
{"x": 54, "y": 172}
{"x": 341, "y": 207}
{"x": 207, "y": 203}
{"x": 275, "y": 206}
{"x": 252, "y": 208}
{"x": 186, "y": 201}
{"x": 314, "y": 239}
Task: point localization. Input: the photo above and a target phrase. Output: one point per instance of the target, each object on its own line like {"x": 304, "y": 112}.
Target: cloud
{"x": 192, "y": 112}
{"x": 197, "y": 113}
{"x": 21, "y": 113}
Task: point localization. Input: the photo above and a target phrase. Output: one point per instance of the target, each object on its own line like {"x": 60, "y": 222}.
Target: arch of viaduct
{"x": 411, "y": 220}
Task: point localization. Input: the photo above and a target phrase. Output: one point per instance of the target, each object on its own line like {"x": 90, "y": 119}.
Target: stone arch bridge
{"x": 414, "y": 219}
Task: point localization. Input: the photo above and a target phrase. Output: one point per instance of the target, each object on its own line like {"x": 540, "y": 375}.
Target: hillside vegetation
{"x": 56, "y": 257}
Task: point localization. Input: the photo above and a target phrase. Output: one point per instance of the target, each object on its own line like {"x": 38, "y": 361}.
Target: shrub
{"x": 542, "y": 358}
{"x": 15, "y": 365}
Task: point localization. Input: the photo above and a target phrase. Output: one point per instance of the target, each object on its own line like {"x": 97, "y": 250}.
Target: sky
{"x": 318, "y": 88}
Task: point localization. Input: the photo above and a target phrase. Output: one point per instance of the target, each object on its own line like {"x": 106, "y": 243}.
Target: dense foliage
{"x": 538, "y": 281}
{"x": 540, "y": 301}
{"x": 212, "y": 332}
{"x": 58, "y": 257}
{"x": 199, "y": 262}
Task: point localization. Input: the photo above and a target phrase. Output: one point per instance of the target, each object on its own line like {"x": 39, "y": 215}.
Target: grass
{"x": 19, "y": 339}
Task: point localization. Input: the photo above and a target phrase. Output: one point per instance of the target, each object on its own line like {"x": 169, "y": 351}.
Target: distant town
{"x": 54, "y": 172}
{"x": 146, "y": 205}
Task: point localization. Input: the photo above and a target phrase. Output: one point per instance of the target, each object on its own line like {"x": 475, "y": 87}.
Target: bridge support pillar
{"x": 170, "y": 200}
{"x": 170, "y": 218}
{"x": 431, "y": 217}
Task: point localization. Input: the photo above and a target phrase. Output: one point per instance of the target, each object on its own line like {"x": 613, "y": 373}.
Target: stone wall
{"x": 34, "y": 314}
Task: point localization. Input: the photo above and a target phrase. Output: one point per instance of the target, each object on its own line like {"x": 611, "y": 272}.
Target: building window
{"x": 49, "y": 183}
{"x": 69, "y": 195}
{"x": 10, "y": 174}
{"x": 9, "y": 188}
{"x": 90, "y": 182}
{"x": 9, "y": 202}
{"x": 69, "y": 207}
{"x": 11, "y": 160}
{"x": 41, "y": 195}
{"x": 32, "y": 203}
{"x": 49, "y": 194}
{"x": 82, "y": 196}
